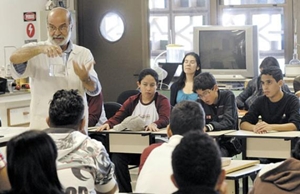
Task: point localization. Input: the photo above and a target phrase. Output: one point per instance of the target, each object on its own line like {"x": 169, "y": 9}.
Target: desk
{"x": 133, "y": 142}
{"x": 6, "y": 133}
{"x": 136, "y": 141}
{"x": 233, "y": 177}
{"x": 212, "y": 133}
{"x": 270, "y": 145}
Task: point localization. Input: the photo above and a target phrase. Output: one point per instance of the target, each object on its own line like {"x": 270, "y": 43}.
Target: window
{"x": 172, "y": 21}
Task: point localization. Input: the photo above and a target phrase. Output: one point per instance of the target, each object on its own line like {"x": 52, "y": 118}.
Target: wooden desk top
{"x": 112, "y": 131}
{"x": 220, "y": 133}
{"x": 212, "y": 133}
{"x": 243, "y": 133}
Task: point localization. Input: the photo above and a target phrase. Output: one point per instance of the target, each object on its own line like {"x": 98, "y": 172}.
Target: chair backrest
{"x": 126, "y": 94}
{"x": 111, "y": 108}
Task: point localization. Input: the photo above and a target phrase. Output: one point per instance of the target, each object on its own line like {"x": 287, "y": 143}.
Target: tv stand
{"x": 221, "y": 77}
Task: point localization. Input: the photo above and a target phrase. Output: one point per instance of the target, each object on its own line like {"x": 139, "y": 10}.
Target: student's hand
{"x": 51, "y": 50}
{"x": 103, "y": 127}
{"x": 205, "y": 129}
{"x": 151, "y": 127}
{"x": 262, "y": 127}
{"x": 82, "y": 71}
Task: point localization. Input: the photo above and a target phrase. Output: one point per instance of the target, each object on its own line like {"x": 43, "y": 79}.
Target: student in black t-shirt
{"x": 279, "y": 110}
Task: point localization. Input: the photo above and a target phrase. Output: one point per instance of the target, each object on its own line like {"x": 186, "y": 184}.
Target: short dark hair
{"x": 275, "y": 72}
{"x": 204, "y": 81}
{"x": 182, "y": 77}
{"x": 196, "y": 161}
{"x": 296, "y": 84}
{"x": 66, "y": 108}
{"x": 186, "y": 116}
{"x": 31, "y": 163}
{"x": 269, "y": 62}
{"x": 146, "y": 72}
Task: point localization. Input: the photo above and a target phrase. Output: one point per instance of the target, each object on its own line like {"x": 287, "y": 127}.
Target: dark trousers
{"x": 121, "y": 162}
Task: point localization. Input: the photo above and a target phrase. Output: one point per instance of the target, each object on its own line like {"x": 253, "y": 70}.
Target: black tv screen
{"x": 223, "y": 49}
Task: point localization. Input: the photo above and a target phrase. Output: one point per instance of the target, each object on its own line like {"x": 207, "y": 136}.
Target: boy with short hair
{"x": 196, "y": 163}
{"x": 279, "y": 110}
{"x": 296, "y": 85}
{"x": 219, "y": 107}
{"x": 155, "y": 175}
{"x": 83, "y": 164}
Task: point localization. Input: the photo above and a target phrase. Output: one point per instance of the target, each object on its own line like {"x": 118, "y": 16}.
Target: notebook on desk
{"x": 236, "y": 165}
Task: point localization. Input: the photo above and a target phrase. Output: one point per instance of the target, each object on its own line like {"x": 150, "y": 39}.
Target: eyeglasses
{"x": 62, "y": 28}
{"x": 205, "y": 93}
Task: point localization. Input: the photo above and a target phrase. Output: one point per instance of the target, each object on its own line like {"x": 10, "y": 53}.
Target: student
{"x": 4, "y": 182}
{"x": 182, "y": 89}
{"x": 83, "y": 163}
{"x": 282, "y": 177}
{"x": 197, "y": 167}
{"x": 32, "y": 60}
{"x": 279, "y": 110}
{"x": 253, "y": 90}
{"x": 296, "y": 85}
{"x": 31, "y": 164}
{"x": 152, "y": 107}
{"x": 219, "y": 107}
{"x": 155, "y": 174}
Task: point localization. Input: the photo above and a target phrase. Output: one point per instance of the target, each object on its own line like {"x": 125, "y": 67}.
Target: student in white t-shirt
{"x": 152, "y": 107}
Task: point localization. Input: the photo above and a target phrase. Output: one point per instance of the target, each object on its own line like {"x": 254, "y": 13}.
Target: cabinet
{"x": 14, "y": 108}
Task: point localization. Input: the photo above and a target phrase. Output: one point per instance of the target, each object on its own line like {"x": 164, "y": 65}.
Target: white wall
{"x": 12, "y": 30}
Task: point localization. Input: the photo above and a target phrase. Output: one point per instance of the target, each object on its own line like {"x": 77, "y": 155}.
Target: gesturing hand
{"x": 82, "y": 71}
{"x": 52, "y": 50}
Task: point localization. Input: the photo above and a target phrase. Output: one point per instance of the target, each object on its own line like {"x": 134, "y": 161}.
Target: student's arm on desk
{"x": 263, "y": 127}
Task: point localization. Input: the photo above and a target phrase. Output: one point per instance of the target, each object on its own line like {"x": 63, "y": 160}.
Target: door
{"x": 117, "y": 63}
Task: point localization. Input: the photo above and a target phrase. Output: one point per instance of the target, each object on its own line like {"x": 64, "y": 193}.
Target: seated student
{"x": 83, "y": 163}
{"x": 197, "y": 167}
{"x": 96, "y": 110}
{"x": 4, "y": 182}
{"x": 253, "y": 90}
{"x": 152, "y": 107}
{"x": 155, "y": 174}
{"x": 279, "y": 110}
{"x": 182, "y": 89}
{"x": 31, "y": 164}
{"x": 219, "y": 107}
{"x": 296, "y": 85}
{"x": 282, "y": 177}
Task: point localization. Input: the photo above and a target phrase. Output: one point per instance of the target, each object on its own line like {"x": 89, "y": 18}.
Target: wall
{"x": 12, "y": 33}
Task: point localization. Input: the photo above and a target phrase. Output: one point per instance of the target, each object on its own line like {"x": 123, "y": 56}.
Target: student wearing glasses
{"x": 219, "y": 107}
{"x": 32, "y": 60}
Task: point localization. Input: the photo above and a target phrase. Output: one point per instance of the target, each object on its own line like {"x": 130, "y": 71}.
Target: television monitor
{"x": 228, "y": 52}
